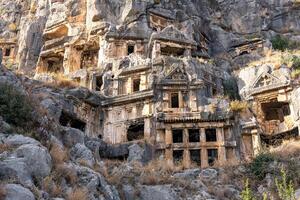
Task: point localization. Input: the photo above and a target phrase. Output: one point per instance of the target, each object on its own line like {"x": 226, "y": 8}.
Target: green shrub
{"x": 280, "y": 43}
{"x": 284, "y": 187}
{"x": 247, "y": 194}
{"x": 296, "y": 62}
{"x": 231, "y": 89}
{"x": 260, "y": 165}
{"x": 15, "y": 108}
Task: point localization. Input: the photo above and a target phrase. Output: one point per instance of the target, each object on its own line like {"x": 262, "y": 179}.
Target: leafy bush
{"x": 285, "y": 189}
{"x": 280, "y": 43}
{"x": 231, "y": 89}
{"x": 15, "y": 108}
{"x": 247, "y": 194}
{"x": 296, "y": 62}
{"x": 260, "y": 165}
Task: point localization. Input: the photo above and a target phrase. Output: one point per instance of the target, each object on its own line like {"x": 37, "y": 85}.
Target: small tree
{"x": 285, "y": 189}
{"x": 247, "y": 194}
{"x": 15, "y": 107}
{"x": 280, "y": 43}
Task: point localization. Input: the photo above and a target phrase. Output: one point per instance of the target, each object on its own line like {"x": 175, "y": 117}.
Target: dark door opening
{"x": 195, "y": 155}
{"x": 130, "y": 49}
{"x": 211, "y": 135}
{"x": 7, "y": 52}
{"x": 177, "y": 156}
{"x": 174, "y": 100}
{"x": 194, "y": 135}
{"x": 67, "y": 120}
{"x": 177, "y": 135}
{"x": 136, "y": 85}
{"x": 172, "y": 51}
{"x": 212, "y": 155}
{"x": 99, "y": 83}
{"x": 135, "y": 132}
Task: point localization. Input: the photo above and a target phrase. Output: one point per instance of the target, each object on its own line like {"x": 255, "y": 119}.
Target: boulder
{"x": 94, "y": 181}
{"x": 208, "y": 174}
{"x": 72, "y": 136}
{"x": 17, "y": 192}
{"x": 135, "y": 153}
{"x": 157, "y": 192}
{"x": 81, "y": 153}
{"x": 129, "y": 192}
{"x": 15, "y": 169}
{"x": 188, "y": 174}
{"x": 37, "y": 158}
{"x": 18, "y": 140}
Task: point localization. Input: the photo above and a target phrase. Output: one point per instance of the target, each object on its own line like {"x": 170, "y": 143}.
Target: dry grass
{"x": 66, "y": 172}
{"x": 2, "y": 192}
{"x": 277, "y": 58}
{"x": 51, "y": 187}
{"x": 5, "y": 147}
{"x": 58, "y": 154}
{"x": 83, "y": 163}
{"x": 287, "y": 149}
{"x": 238, "y": 106}
{"x": 78, "y": 194}
{"x": 61, "y": 81}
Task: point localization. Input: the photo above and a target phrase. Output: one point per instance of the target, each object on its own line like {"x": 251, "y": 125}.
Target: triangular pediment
{"x": 178, "y": 73}
{"x": 265, "y": 79}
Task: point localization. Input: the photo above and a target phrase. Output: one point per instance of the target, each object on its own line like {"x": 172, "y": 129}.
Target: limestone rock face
{"x": 159, "y": 192}
{"x": 17, "y": 192}
{"x": 37, "y": 159}
{"x": 81, "y": 153}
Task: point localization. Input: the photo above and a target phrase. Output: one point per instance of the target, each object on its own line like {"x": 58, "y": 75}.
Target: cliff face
{"x": 226, "y": 24}
{"x": 125, "y": 95}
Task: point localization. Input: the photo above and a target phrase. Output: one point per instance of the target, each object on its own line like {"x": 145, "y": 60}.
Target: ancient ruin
{"x": 155, "y": 81}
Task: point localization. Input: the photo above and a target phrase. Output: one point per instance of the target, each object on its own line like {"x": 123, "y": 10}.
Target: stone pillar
{"x": 66, "y": 60}
{"x": 1, "y": 56}
{"x": 202, "y": 135}
{"x": 181, "y": 103}
{"x": 186, "y": 158}
{"x": 168, "y": 141}
{"x": 256, "y": 143}
{"x": 204, "y": 158}
{"x": 220, "y": 136}
{"x": 169, "y": 156}
{"x": 143, "y": 83}
{"x": 156, "y": 50}
{"x": 147, "y": 129}
{"x": 129, "y": 86}
{"x": 168, "y": 136}
{"x": 221, "y": 141}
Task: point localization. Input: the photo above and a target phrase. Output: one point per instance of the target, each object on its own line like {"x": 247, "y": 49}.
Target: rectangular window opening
{"x": 177, "y": 135}
{"x": 195, "y": 155}
{"x": 177, "y": 156}
{"x": 136, "y": 85}
{"x": 130, "y": 49}
{"x": 174, "y": 100}
{"x": 211, "y": 135}
{"x": 212, "y": 155}
{"x": 194, "y": 135}
{"x": 7, "y": 52}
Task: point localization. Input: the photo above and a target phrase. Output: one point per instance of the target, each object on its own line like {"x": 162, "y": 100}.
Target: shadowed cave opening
{"x": 195, "y": 155}
{"x": 67, "y": 120}
{"x": 177, "y": 156}
{"x": 135, "y": 131}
